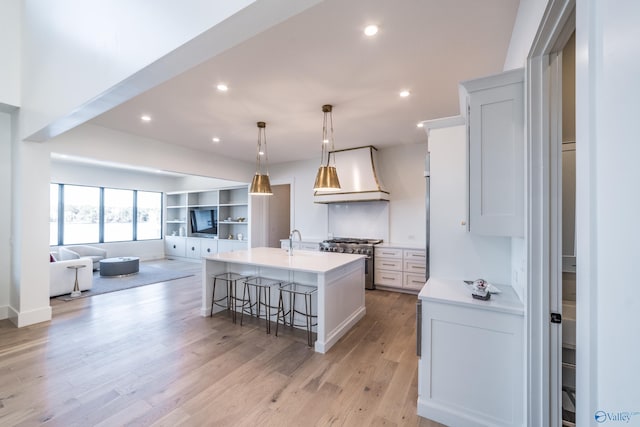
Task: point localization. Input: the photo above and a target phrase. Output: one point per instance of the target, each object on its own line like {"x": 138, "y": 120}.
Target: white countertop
{"x": 456, "y": 292}
{"x": 310, "y": 261}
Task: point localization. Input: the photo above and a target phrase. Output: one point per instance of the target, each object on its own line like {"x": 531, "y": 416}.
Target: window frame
{"x": 101, "y": 223}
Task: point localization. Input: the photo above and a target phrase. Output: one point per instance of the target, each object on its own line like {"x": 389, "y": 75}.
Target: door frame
{"x": 544, "y": 212}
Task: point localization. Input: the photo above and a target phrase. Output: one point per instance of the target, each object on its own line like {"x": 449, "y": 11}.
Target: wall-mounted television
{"x": 204, "y": 221}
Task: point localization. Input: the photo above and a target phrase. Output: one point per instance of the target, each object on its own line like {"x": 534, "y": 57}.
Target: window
{"x": 80, "y": 214}
{"x": 149, "y": 217}
{"x": 118, "y": 215}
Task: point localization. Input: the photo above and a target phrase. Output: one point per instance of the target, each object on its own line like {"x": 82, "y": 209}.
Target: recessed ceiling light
{"x": 420, "y": 125}
{"x": 371, "y": 30}
{"x": 145, "y": 118}
{"x": 405, "y": 93}
{"x": 222, "y": 87}
{"x": 215, "y": 139}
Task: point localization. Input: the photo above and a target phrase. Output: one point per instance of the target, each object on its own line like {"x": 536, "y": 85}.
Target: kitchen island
{"x": 339, "y": 278}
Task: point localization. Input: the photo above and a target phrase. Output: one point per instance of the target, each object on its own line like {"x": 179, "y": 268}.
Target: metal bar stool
{"x": 262, "y": 287}
{"x": 306, "y": 291}
{"x": 230, "y": 280}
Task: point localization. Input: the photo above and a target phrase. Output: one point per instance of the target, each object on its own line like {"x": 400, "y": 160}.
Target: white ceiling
{"x": 284, "y": 75}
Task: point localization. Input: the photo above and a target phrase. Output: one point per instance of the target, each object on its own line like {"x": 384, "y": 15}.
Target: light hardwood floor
{"x": 145, "y": 357}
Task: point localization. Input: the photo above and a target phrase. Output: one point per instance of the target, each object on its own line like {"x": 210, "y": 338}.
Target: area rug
{"x": 146, "y": 276}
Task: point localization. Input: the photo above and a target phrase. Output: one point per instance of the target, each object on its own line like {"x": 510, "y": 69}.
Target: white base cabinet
{"x": 175, "y": 246}
{"x": 471, "y": 368}
{"x": 399, "y": 268}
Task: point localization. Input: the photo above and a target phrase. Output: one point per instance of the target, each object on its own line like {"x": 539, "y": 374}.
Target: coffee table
{"x": 121, "y": 266}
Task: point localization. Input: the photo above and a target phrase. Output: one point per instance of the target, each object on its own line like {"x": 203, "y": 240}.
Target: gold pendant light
{"x": 260, "y": 185}
{"x": 327, "y": 177}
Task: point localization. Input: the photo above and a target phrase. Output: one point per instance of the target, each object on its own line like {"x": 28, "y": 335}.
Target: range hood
{"x": 358, "y": 179}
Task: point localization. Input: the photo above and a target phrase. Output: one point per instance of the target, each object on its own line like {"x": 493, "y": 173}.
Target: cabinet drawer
{"x": 209, "y": 247}
{"x": 388, "y": 264}
{"x": 388, "y": 278}
{"x": 413, "y": 281}
{"x": 388, "y": 253}
{"x": 193, "y": 248}
{"x": 175, "y": 246}
{"x": 416, "y": 267}
{"x": 415, "y": 255}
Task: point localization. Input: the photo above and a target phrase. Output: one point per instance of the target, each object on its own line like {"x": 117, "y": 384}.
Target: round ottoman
{"x": 122, "y": 266}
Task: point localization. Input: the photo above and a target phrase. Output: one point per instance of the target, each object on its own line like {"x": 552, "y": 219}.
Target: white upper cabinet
{"x": 494, "y": 109}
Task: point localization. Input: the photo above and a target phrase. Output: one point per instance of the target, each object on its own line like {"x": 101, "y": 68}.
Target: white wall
{"x": 402, "y": 172}
{"x": 308, "y": 217}
{"x": 5, "y": 214}
{"x": 97, "y": 142}
{"x": 65, "y": 172}
{"x": 607, "y": 202}
{"x": 401, "y": 169}
{"x": 10, "y": 45}
{"x": 454, "y": 252}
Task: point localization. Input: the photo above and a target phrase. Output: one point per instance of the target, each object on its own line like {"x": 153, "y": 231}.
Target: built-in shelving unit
{"x": 231, "y": 207}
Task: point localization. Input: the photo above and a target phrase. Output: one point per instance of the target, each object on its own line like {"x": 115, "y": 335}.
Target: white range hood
{"x": 358, "y": 179}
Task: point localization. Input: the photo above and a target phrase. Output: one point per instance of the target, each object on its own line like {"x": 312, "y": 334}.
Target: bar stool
{"x": 292, "y": 289}
{"x": 262, "y": 289}
{"x": 230, "y": 280}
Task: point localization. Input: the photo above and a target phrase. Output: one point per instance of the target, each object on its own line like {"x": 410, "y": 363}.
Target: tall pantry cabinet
{"x": 472, "y": 365}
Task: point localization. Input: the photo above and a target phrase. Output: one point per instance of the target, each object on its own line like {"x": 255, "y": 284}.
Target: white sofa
{"x": 62, "y": 279}
{"x": 81, "y": 251}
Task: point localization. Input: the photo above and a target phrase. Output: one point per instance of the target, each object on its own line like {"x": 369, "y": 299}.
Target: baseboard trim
{"x": 26, "y": 318}
{"x": 4, "y": 312}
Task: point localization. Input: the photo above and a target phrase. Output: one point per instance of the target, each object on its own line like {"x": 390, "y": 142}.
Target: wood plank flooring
{"x": 145, "y": 357}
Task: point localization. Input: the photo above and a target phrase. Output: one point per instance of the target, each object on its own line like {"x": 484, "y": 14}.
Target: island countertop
{"x": 301, "y": 260}
{"x": 339, "y": 278}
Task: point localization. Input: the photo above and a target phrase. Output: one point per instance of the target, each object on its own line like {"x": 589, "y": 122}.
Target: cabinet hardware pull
{"x": 388, "y": 278}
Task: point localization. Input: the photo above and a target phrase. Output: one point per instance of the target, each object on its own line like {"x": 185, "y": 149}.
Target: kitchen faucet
{"x": 294, "y": 231}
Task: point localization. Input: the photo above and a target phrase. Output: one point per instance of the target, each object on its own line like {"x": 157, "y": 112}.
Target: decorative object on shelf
{"x": 260, "y": 185}
{"x": 327, "y": 177}
{"x": 230, "y": 236}
{"x": 240, "y": 236}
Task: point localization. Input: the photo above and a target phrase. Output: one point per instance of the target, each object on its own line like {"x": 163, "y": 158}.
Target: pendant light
{"x": 327, "y": 177}
{"x": 260, "y": 185}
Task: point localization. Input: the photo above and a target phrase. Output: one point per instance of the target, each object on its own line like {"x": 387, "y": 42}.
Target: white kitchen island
{"x": 339, "y": 278}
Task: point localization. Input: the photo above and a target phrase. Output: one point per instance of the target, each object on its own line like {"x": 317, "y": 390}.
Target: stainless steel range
{"x": 348, "y": 245}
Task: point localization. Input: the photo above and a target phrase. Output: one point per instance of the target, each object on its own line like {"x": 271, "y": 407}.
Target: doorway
{"x": 567, "y": 184}
{"x": 545, "y": 215}
{"x": 279, "y": 222}
{"x": 271, "y": 217}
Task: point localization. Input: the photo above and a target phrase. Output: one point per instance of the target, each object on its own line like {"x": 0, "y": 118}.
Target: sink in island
{"x": 339, "y": 278}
